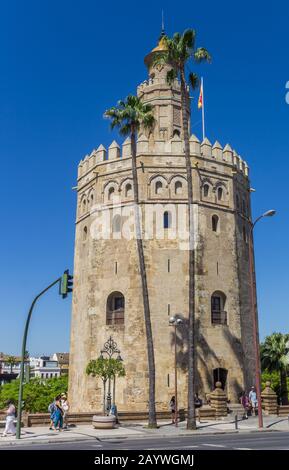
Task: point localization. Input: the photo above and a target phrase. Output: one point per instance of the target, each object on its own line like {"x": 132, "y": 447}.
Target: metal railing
{"x": 219, "y": 317}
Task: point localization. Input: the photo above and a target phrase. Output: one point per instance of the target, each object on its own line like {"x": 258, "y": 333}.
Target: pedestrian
{"x": 58, "y": 415}
{"x": 198, "y": 401}
{"x": 10, "y": 418}
{"x": 65, "y": 408}
{"x": 253, "y": 400}
{"x": 51, "y": 410}
{"x": 244, "y": 400}
{"x": 173, "y": 408}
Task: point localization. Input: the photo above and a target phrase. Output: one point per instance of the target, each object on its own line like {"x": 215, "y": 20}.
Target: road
{"x": 243, "y": 441}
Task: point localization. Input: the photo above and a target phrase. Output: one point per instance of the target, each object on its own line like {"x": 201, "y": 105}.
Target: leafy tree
{"x": 274, "y": 378}
{"x": 129, "y": 116}
{"x": 275, "y": 358}
{"x": 180, "y": 51}
{"x": 37, "y": 394}
{"x": 105, "y": 369}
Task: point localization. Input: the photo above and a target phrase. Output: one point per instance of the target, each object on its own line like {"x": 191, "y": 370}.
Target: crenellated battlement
{"x": 158, "y": 81}
{"x": 201, "y": 150}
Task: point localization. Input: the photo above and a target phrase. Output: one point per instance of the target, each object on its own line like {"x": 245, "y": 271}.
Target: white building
{"x": 44, "y": 367}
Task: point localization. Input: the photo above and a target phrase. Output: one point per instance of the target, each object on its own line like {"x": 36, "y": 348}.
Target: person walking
{"x": 173, "y": 408}
{"x": 253, "y": 400}
{"x": 10, "y": 418}
{"x": 244, "y": 400}
{"x": 65, "y": 408}
{"x": 51, "y": 410}
{"x": 58, "y": 414}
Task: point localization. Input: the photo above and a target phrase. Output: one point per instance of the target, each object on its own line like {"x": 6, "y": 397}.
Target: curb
{"x": 24, "y": 442}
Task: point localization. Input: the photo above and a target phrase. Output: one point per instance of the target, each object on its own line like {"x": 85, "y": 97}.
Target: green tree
{"x": 275, "y": 357}
{"x": 129, "y": 116}
{"x": 181, "y": 51}
{"x": 105, "y": 369}
{"x": 37, "y": 394}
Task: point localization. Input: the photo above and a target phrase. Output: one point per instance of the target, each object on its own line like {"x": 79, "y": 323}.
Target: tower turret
{"x": 164, "y": 97}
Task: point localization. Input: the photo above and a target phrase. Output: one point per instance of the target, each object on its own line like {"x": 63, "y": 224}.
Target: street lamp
{"x": 175, "y": 321}
{"x": 254, "y": 310}
{"x": 110, "y": 348}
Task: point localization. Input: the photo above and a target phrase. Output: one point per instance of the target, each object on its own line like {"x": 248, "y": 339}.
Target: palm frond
{"x": 194, "y": 80}
{"x": 189, "y": 38}
{"x": 202, "y": 55}
{"x": 171, "y": 76}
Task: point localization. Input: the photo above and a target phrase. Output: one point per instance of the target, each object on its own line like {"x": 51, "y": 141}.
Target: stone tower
{"x": 107, "y": 297}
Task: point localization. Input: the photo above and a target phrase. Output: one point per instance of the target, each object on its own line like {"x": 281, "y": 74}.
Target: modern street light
{"x": 110, "y": 348}
{"x": 175, "y": 321}
{"x": 254, "y": 310}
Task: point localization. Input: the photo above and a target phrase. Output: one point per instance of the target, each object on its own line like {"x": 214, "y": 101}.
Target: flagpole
{"x": 203, "y": 108}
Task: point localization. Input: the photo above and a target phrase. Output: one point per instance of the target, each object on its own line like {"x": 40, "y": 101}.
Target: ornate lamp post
{"x": 110, "y": 348}
{"x": 175, "y": 321}
{"x": 253, "y": 295}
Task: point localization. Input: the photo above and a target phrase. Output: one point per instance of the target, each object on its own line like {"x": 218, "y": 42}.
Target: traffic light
{"x": 66, "y": 284}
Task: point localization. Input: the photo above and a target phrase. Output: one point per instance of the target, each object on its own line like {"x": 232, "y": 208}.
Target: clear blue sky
{"x": 62, "y": 64}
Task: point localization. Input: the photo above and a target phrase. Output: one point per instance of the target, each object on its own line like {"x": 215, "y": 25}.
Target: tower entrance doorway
{"x": 220, "y": 375}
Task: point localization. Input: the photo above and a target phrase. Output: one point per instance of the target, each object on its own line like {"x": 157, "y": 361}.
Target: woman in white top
{"x": 10, "y": 417}
{"x": 65, "y": 407}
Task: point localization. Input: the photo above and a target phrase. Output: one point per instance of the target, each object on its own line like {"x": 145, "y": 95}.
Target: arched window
{"x": 115, "y": 309}
{"x": 245, "y": 237}
{"x": 206, "y": 190}
{"x": 220, "y": 193}
{"x": 159, "y": 187}
{"x": 116, "y": 224}
{"x": 218, "y": 314}
{"x": 215, "y": 223}
{"x": 110, "y": 193}
{"x": 244, "y": 207}
{"x": 238, "y": 202}
{"x": 84, "y": 234}
{"x": 83, "y": 205}
{"x": 167, "y": 220}
{"x": 91, "y": 198}
{"x": 178, "y": 187}
{"x": 176, "y": 133}
{"x": 128, "y": 190}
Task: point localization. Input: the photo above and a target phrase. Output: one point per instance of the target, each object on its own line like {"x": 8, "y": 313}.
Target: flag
{"x": 200, "y": 100}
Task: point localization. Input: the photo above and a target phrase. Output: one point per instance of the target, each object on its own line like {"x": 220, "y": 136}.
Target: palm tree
{"x": 180, "y": 51}
{"x": 129, "y": 116}
{"x": 11, "y": 361}
{"x": 275, "y": 357}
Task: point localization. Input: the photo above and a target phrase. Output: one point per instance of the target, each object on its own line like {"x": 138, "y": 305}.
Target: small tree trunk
{"x": 104, "y": 399}
{"x": 283, "y": 387}
{"x": 191, "y": 420}
{"x": 147, "y": 315}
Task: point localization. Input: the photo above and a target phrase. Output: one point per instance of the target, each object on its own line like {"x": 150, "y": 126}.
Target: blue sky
{"x": 62, "y": 64}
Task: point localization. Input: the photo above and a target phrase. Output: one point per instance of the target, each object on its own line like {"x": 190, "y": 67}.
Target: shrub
{"x": 37, "y": 393}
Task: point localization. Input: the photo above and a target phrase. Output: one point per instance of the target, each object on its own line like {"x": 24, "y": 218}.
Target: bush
{"x": 37, "y": 393}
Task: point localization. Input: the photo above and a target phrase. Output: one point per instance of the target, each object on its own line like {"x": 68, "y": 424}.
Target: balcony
{"x": 219, "y": 317}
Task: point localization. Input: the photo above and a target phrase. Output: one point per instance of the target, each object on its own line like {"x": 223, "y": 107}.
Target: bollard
{"x": 236, "y": 421}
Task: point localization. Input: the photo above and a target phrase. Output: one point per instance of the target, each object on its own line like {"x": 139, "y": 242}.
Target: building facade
{"x": 44, "y": 367}
{"x": 107, "y": 296}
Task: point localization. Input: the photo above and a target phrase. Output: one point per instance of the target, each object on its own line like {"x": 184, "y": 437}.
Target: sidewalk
{"x": 41, "y": 435}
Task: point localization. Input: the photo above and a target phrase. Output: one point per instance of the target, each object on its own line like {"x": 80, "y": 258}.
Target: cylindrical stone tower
{"x": 107, "y": 297}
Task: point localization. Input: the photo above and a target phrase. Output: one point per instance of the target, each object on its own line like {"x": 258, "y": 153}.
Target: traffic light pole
{"x": 19, "y": 410}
